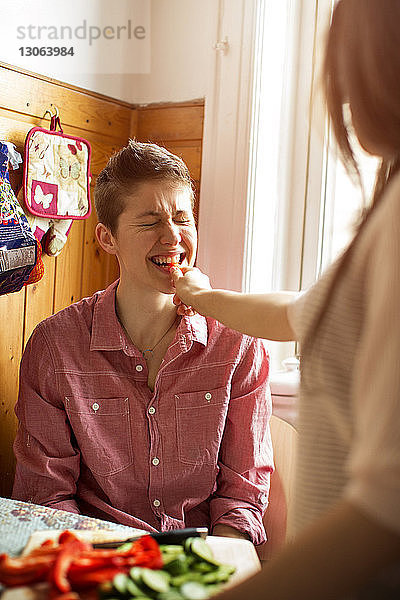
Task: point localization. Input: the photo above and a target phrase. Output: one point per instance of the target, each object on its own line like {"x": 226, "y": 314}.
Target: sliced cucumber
{"x": 170, "y": 595}
{"x": 177, "y": 566}
{"x": 132, "y": 588}
{"x": 192, "y": 590}
{"x": 157, "y": 581}
{"x": 203, "y": 567}
{"x": 125, "y": 547}
{"x": 120, "y": 582}
{"x": 200, "y": 549}
{"x": 188, "y": 543}
{"x": 171, "y": 548}
{"x": 136, "y": 574}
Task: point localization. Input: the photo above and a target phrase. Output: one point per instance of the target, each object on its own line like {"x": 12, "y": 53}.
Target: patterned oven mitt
{"x": 56, "y": 183}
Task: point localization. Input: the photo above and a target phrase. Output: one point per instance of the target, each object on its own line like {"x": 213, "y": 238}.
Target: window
{"x": 342, "y": 199}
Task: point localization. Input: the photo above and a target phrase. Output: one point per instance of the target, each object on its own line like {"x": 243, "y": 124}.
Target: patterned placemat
{"x": 18, "y": 520}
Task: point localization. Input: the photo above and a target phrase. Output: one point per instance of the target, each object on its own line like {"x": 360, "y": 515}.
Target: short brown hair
{"x": 137, "y": 163}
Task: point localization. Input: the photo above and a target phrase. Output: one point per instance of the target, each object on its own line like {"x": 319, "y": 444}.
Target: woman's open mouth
{"x": 165, "y": 262}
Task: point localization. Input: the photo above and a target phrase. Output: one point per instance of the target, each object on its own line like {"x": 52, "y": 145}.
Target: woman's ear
{"x": 105, "y": 238}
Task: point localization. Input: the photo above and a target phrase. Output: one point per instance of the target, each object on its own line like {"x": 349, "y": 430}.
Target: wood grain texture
{"x": 12, "y": 318}
{"x": 94, "y": 258}
{"x": 39, "y": 298}
{"x": 167, "y": 123}
{"x": 29, "y": 94}
{"x": 68, "y": 267}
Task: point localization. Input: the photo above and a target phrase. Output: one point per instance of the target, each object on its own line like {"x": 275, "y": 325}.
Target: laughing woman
{"x": 130, "y": 412}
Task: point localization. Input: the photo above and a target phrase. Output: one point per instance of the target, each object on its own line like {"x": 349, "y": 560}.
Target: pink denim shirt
{"x": 93, "y": 437}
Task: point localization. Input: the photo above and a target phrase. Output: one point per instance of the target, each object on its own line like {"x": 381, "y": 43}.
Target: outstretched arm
{"x": 258, "y": 315}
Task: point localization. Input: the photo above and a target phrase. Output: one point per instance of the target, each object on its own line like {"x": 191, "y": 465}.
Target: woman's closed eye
{"x": 149, "y": 224}
{"x": 183, "y": 221}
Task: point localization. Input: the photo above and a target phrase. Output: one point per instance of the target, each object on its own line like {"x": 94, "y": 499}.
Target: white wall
{"x": 182, "y": 35}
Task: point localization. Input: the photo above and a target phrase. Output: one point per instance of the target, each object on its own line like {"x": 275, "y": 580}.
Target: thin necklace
{"x": 150, "y": 350}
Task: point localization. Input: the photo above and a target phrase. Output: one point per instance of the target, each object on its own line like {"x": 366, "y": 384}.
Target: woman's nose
{"x": 171, "y": 234}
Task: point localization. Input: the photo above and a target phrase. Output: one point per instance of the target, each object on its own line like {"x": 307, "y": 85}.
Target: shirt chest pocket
{"x": 200, "y": 423}
{"x": 102, "y": 430}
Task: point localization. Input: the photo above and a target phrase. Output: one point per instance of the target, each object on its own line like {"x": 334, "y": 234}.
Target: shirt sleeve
{"x": 374, "y": 462}
{"x": 245, "y": 458}
{"x": 47, "y": 460}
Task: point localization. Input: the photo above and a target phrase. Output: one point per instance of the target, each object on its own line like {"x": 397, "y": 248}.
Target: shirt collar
{"x": 108, "y": 333}
{"x": 194, "y": 329}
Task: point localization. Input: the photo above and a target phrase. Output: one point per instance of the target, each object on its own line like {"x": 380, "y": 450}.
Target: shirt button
{"x": 152, "y": 410}
{"x": 156, "y": 503}
{"x": 208, "y": 396}
{"x": 139, "y": 368}
{"x": 264, "y": 498}
{"x": 95, "y": 406}
{"x": 155, "y": 461}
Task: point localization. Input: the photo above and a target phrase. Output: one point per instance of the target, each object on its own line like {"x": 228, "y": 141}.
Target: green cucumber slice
{"x": 204, "y": 567}
{"x": 192, "y": 590}
{"x": 188, "y": 543}
{"x": 170, "y": 595}
{"x": 158, "y": 581}
{"x": 133, "y": 589}
{"x": 177, "y": 566}
{"x": 119, "y": 583}
{"x": 190, "y": 576}
{"x": 200, "y": 549}
{"x": 136, "y": 574}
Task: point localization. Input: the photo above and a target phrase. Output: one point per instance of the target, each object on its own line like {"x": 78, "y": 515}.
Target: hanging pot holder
{"x": 56, "y": 173}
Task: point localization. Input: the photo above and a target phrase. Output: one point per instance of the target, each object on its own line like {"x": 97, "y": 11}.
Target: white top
{"x": 349, "y": 413}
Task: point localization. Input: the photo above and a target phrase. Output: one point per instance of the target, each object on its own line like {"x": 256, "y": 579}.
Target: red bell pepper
{"x": 69, "y": 552}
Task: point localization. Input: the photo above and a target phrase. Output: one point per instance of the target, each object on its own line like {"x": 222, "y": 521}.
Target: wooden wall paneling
{"x": 190, "y": 152}
{"x": 182, "y": 121}
{"x": 112, "y": 268}
{"x": 12, "y": 317}
{"x": 133, "y": 132}
{"x": 40, "y": 298}
{"x": 28, "y": 93}
{"x": 68, "y": 280}
{"x": 94, "y": 277}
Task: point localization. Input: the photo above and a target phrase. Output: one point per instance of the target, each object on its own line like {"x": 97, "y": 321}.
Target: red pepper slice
{"x": 24, "y": 570}
{"x": 94, "y": 578}
{"x": 67, "y": 536}
{"x": 69, "y": 552}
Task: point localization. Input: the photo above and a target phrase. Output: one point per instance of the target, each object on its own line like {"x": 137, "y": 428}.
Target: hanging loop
{"x": 56, "y": 112}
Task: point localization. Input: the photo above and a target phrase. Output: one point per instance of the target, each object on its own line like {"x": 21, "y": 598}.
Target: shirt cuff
{"x": 243, "y": 517}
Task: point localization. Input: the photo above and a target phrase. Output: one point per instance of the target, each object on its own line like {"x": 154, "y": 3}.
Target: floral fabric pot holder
{"x": 56, "y": 183}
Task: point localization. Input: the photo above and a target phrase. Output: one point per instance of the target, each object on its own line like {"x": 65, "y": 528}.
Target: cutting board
{"x": 239, "y": 553}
